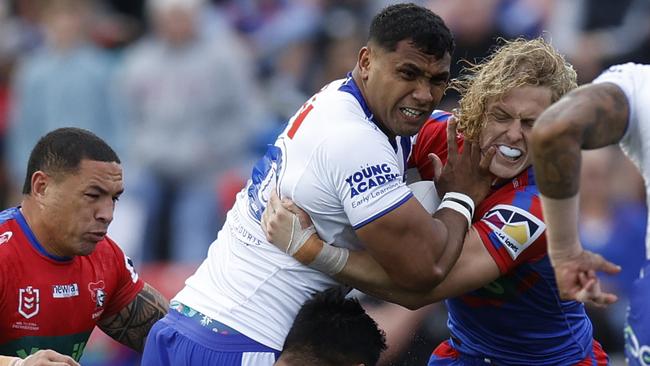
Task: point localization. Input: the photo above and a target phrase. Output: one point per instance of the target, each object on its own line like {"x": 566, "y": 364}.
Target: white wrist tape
{"x": 330, "y": 259}
{"x": 298, "y": 235}
{"x": 461, "y": 197}
{"x": 460, "y": 203}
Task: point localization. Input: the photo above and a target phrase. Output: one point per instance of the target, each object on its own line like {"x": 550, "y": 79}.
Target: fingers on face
{"x": 437, "y": 165}
{"x": 452, "y": 146}
{"x": 486, "y": 159}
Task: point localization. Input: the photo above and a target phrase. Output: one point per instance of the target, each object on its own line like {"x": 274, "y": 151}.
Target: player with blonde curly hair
{"x": 517, "y": 63}
{"x": 501, "y": 294}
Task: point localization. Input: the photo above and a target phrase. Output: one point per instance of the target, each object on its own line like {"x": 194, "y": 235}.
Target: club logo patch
{"x": 28, "y": 301}
{"x": 515, "y": 228}
{"x": 4, "y": 237}
{"x": 97, "y": 293}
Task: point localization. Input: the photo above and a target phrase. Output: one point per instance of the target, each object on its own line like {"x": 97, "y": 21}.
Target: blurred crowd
{"x": 190, "y": 92}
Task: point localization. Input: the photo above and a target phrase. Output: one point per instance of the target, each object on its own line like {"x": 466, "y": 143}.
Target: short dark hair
{"x": 62, "y": 150}
{"x": 423, "y": 27}
{"x": 331, "y": 329}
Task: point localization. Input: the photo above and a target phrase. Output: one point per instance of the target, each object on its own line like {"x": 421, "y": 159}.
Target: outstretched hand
{"x": 467, "y": 172}
{"x": 576, "y": 277}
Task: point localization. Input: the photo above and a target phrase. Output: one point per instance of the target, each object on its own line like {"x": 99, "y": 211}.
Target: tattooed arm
{"x": 131, "y": 325}
{"x": 589, "y": 117}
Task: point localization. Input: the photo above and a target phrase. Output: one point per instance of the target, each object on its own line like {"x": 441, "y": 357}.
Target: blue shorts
{"x": 637, "y": 329}
{"x": 446, "y": 355}
{"x": 180, "y": 339}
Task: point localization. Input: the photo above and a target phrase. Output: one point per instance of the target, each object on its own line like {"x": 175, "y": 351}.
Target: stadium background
{"x": 189, "y": 92}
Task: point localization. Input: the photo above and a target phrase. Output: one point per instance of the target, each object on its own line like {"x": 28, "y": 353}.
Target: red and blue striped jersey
{"x": 519, "y": 318}
{"x": 49, "y": 302}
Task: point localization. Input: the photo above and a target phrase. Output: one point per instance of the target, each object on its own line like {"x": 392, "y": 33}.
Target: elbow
{"x": 414, "y": 304}
{"x": 548, "y": 137}
{"x": 420, "y": 280}
{"x": 545, "y": 135}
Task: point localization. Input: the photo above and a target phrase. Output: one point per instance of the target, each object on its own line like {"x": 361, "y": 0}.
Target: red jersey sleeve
{"x": 512, "y": 230}
{"x": 128, "y": 282}
{"x": 432, "y": 138}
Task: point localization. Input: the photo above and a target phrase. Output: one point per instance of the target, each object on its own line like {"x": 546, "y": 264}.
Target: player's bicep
{"x": 400, "y": 241}
{"x": 474, "y": 269}
{"x": 132, "y": 323}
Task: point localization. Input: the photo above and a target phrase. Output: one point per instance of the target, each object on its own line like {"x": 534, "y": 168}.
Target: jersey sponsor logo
{"x": 28, "y": 301}
{"x": 63, "y": 291}
{"x": 362, "y": 200}
{"x": 4, "y": 237}
{"x": 131, "y": 268}
{"x": 369, "y": 177}
{"x": 515, "y": 228}
{"x": 639, "y": 352}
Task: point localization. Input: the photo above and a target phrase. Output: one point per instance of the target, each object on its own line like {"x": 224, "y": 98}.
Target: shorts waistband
{"x": 201, "y": 319}
{"x": 209, "y": 332}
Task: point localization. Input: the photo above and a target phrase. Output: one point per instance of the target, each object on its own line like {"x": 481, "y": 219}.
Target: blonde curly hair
{"x": 515, "y": 64}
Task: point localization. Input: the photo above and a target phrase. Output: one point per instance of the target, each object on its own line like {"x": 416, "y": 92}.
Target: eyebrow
{"x": 444, "y": 75}
{"x": 500, "y": 109}
{"x": 103, "y": 191}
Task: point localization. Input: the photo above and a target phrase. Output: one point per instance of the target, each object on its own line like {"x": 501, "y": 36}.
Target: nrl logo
{"x": 28, "y": 301}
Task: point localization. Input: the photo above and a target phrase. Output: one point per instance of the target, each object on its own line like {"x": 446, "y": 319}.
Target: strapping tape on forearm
{"x": 331, "y": 259}
{"x": 460, "y": 203}
{"x": 323, "y": 257}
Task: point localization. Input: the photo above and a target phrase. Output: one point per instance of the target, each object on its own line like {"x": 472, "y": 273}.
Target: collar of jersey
{"x": 350, "y": 86}
{"x": 32, "y": 238}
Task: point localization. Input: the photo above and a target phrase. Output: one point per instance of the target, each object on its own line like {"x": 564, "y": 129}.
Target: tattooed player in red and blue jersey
{"x": 502, "y": 298}
{"x": 60, "y": 274}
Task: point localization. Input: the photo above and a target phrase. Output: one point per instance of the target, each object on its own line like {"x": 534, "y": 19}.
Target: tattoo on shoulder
{"x": 131, "y": 325}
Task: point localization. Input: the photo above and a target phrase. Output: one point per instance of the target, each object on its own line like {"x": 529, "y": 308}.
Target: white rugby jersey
{"x": 634, "y": 80}
{"x": 336, "y": 164}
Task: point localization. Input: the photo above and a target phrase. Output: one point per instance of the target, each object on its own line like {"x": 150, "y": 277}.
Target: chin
{"x": 505, "y": 172}
{"x": 87, "y": 249}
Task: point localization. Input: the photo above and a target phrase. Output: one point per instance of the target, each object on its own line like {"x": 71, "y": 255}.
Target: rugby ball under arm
{"x": 425, "y": 192}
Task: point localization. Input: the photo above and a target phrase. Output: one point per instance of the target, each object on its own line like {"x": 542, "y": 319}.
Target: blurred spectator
{"x": 595, "y": 34}
{"x": 608, "y": 219}
{"x": 192, "y": 109}
{"x": 65, "y": 82}
{"x": 272, "y": 25}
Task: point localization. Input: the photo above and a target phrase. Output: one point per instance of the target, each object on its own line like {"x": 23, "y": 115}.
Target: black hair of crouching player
{"x": 332, "y": 330}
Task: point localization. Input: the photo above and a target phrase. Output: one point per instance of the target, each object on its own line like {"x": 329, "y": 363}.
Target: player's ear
{"x": 363, "y": 62}
{"x": 39, "y": 183}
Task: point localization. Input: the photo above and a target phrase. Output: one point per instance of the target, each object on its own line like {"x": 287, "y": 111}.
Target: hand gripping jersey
{"x": 634, "y": 80}
{"x": 333, "y": 161}
{"x": 519, "y": 318}
{"x": 49, "y": 302}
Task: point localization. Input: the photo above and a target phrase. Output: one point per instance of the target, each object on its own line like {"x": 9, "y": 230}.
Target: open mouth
{"x": 411, "y": 113}
{"x": 510, "y": 153}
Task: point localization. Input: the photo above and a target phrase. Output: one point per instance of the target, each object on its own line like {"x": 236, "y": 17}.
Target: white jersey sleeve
{"x": 366, "y": 175}
{"x": 634, "y": 81}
